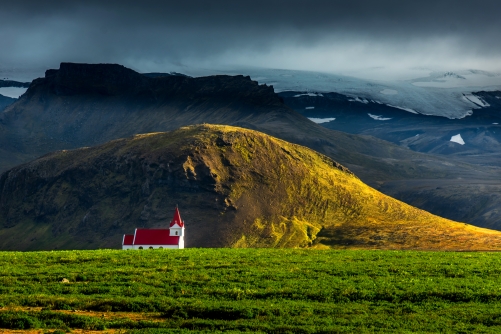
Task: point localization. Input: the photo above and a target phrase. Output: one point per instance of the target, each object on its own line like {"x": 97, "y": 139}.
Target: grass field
{"x": 251, "y": 290}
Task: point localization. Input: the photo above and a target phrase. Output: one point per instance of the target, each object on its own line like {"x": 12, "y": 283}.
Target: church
{"x": 172, "y": 237}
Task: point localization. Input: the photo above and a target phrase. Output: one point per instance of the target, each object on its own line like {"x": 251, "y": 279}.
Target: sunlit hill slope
{"x": 235, "y": 188}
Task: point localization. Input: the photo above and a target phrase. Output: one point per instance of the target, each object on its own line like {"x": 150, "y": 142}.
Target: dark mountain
{"x": 236, "y": 188}
{"x": 85, "y": 105}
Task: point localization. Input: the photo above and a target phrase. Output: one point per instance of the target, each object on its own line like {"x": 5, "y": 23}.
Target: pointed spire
{"x": 177, "y": 219}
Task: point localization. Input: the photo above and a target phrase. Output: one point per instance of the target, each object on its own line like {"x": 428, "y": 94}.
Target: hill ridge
{"x": 236, "y": 188}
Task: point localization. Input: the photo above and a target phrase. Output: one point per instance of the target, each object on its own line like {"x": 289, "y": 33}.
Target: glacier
{"x": 439, "y": 94}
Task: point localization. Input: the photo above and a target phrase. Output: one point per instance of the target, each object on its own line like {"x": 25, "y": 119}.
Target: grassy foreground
{"x": 251, "y": 290}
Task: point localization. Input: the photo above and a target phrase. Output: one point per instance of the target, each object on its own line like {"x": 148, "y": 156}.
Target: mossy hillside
{"x": 235, "y": 188}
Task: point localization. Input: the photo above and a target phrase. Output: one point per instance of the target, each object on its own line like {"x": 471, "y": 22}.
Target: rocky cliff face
{"x": 117, "y": 80}
{"x": 235, "y": 187}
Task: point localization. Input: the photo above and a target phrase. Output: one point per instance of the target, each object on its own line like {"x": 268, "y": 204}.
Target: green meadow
{"x": 251, "y": 290}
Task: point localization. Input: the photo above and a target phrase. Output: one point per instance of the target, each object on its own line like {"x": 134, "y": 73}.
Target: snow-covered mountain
{"x": 477, "y": 134}
{"x": 441, "y": 94}
{"x": 445, "y": 94}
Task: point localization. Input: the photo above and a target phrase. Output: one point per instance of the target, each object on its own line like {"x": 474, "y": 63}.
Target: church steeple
{"x": 177, "y": 219}
{"x": 177, "y": 225}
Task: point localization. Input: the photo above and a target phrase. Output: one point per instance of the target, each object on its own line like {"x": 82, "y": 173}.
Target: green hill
{"x": 235, "y": 188}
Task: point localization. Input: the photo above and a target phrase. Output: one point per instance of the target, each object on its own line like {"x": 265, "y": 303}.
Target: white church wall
{"x": 176, "y": 231}
{"x": 138, "y": 247}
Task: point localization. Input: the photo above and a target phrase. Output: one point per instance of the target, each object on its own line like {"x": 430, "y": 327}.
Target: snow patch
{"x": 309, "y": 108}
{"x": 378, "y": 117}
{"x": 403, "y": 108}
{"x": 467, "y": 113}
{"x": 309, "y": 94}
{"x": 476, "y": 100}
{"x": 356, "y": 99}
{"x": 389, "y": 92}
{"x": 495, "y": 123}
{"x": 14, "y": 92}
{"x": 498, "y": 97}
{"x": 457, "y": 139}
{"x": 320, "y": 120}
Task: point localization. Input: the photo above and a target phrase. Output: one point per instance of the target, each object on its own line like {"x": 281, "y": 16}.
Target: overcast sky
{"x": 330, "y": 35}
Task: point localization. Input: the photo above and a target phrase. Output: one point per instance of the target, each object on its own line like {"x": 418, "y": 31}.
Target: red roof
{"x": 128, "y": 238}
{"x": 177, "y": 219}
{"x": 155, "y": 237}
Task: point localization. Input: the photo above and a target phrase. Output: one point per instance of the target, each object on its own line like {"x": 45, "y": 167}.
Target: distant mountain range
{"x": 236, "y": 188}
{"x": 477, "y": 133}
{"x": 85, "y": 105}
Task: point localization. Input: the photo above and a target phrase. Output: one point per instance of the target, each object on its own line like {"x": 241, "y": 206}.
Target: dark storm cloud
{"x": 254, "y": 32}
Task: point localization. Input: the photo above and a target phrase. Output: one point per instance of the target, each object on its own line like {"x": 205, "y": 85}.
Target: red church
{"x": 172, "y": 237}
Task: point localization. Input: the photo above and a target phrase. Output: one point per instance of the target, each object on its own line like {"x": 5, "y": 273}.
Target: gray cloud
{"x": 321, "y": 34}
